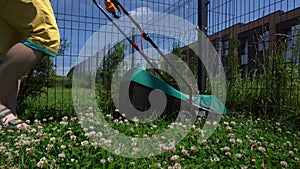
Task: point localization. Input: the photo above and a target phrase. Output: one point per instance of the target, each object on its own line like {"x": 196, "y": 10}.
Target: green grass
{"x": 255, "y": 143}
{"x": 55, "y": 102}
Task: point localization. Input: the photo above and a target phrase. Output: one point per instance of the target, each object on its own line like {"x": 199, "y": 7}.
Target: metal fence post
{"x": 203, "y": 26}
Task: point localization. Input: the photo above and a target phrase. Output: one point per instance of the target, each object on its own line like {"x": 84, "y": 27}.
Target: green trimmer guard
{"x": 141, "y": 83}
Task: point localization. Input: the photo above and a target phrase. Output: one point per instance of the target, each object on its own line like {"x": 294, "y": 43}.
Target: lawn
{"x": 238, "y": 142}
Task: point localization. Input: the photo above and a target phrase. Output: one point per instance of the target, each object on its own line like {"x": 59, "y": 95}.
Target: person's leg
{"x": 18, "y": 61}
{"x": 35, "y": 26}
{"x": 10, "y": 101}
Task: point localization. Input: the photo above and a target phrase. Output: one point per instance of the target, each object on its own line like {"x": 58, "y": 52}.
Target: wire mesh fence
{"x": 258, "y": 42}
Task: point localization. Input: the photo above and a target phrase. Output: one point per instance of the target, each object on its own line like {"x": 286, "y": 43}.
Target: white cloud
{"x": 140, "y": 10}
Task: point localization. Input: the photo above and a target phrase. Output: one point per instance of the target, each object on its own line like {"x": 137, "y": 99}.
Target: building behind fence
{"x": 259, "y": 27}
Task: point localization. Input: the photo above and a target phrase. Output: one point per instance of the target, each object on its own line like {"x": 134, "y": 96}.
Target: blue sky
{"x": 79, "y": 19}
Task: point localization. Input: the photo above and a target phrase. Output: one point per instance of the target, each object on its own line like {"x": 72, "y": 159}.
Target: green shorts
{"x": 30, "y": 22}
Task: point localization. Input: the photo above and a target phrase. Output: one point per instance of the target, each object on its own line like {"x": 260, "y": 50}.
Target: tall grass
{"x": 271, "y": 91}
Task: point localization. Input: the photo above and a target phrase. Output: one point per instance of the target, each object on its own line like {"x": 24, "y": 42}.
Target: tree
{"x": 104, "y": 76}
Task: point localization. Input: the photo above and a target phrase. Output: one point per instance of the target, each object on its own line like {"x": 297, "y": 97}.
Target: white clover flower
{"x": 135, "y": 119}
{"x": 262, "y": 149}
{"x": 225, "y": 149}
{"x": 247, "y": 137}
{"x": 134, "y": 144}
{"x": 63, "y": 147}
{"x": 232, "y": 140}
{"x": 284, "y": 164}
{"x": 216, "y": 159}
{"x": 185, "y": 152}
{"x": 145, "y": 136}
{"x": 107, "y": 142}
{"x": 62, "y": 156}
{"x": 229, "y": 129}
{"x": 102, "y": 161}
{"x": 73, "y": 119}
{"x": 117, "y": 151}
{"x": 36, "y": 141}
{"x": 135, "y": 149}
{"x": 69, "y": 132}
{"x": 231, "y": 136}
{"x": 288, "y": 144}
{"x": 73, "y": 137}
{"x": 42, "y": 162}
{"x": 204, "y": 142}
{"x": 177, "y": 166}
{"x": 52, "y": 139}
{"x": 110, "y": 159}
{"x": 208, "y": 123}
{"x": 238, "y": 155}
{"x": 85, "y": 143}
{"x": 239, "y": 141}
{"x": 27, "y": 121}
{"x": 37, "y": 121}
{"x": 90, "y": 134}
{"x": 232, "y": 123}
{"x": 65, "y": 118}
{"x": 163, "y": 147}
{"x": 49, "y": 146}
{"x": 99, "y": 134}
{"x": 194, "y": 149}
{"x": 116, "y": 121}
{"x": 29, "y": 151}
{"x": 291, "y": 153}
{"x": 175, "y": 158}
{"x": 134, "y": 139}
{"x": 63, "y": 123}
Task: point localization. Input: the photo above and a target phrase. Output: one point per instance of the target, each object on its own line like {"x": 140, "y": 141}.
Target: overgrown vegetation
{"x": 273, "y": 91}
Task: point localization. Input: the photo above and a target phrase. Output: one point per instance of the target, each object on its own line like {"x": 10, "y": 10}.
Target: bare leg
{"x": 11, "y": 99}
{"x": 19, "y": 60}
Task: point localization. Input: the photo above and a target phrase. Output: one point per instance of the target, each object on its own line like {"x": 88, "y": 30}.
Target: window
{"x": 263, "y": 41}
{"x": 293, "y": 40}
{"x": 226, "y": 48}
{"x": 244, "y": 56}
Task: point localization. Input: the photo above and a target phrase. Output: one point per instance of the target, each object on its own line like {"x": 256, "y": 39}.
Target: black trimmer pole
{"x": 153, "y": 44}
{"x": 134, "y": 44}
